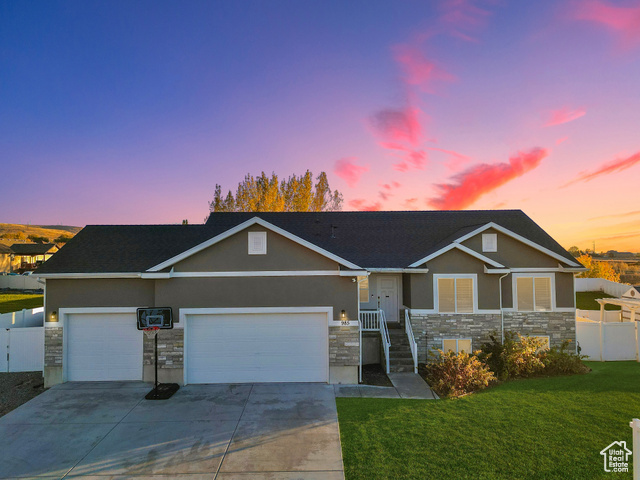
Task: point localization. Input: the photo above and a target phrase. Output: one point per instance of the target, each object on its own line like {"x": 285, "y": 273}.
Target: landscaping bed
{"x": 538, "y": 428}
{"x": 19, "y": 388}
{"x": 374, "y": 374}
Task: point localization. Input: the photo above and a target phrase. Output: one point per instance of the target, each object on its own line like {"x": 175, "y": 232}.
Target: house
{"x": 632, "y": 293}
{"x": 29, "y": 256}
{"x": 304, "y": 297}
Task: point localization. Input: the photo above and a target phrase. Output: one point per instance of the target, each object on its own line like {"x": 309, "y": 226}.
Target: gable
{"x": 512, "y": 253}
{"x": 232, "y": 254}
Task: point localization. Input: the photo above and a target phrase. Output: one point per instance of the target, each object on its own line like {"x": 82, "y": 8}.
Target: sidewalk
{"x": 405, "y": 385}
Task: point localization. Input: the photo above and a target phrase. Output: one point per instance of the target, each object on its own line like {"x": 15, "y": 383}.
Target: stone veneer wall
{"x": 344, "y": 346}
{"x": 53, "y": 347}
{"x": 431, "y": 328}
{"x": 170, "y": 349}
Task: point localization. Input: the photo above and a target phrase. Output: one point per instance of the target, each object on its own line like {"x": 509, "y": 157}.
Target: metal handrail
{"x": 369, "y": 320}
{"x": 412, "y": 339}
{"x": 384, "y": 334}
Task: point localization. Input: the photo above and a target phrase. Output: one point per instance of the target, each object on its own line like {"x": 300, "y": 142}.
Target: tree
{"x": 38, "y": 238}
{"x": 62, "y": 239}
{"x": 575, "y": 251}
{"x": 597, "y": 269}
{"x": 268, "y": 194}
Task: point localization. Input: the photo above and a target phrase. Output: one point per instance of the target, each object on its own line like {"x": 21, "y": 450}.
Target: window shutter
{"x": 524, "y": 287}
{"x": 464, "y": 345}
{"x": 464, "y": 294}
{"x": 449, "y": 345}
{"x": 446, "y": 295}
{"x": 543, "y": 293}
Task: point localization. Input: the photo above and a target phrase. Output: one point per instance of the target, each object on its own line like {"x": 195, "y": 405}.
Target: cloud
{"x": 389, "y": 186}
{"x": 617, "y": 215}
{"x": 359, "y": 204}
{"x": 623, "y": 21}
{"x": 346, "y": 169}
{"x": 463, "y": 18}
{"x": 478, "y": 180}
{"x": 561, "y": 140}
{"x": 564, "y": 115}
{"x": 384, "y": 196}
{"x": 397, "y": 126}
{"x": 413, "y": 158}
{"x": 410, "y": 203}
{"x": 418, "y": 70}
{"x": 608, "y": 168}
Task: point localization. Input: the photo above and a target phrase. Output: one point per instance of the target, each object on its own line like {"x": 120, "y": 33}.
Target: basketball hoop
{"x": 151, "y": 332}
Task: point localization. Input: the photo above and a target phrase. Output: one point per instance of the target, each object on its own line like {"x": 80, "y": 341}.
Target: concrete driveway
{"x": 226, "y": 432}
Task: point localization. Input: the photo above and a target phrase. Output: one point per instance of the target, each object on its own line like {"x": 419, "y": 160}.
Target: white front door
{"x": 256, "y": 347}
{"x": 388, "y": 293}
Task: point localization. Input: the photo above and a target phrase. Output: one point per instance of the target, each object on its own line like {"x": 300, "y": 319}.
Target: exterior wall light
{"x": 343, "y": 314}
{"x": 53, "y": 316}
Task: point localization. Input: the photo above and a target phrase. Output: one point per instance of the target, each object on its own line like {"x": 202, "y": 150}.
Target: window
{"x": 455, "y": 295}
{"x": 545, "y": 338}
{"x": 257, "y": 243}
{"x": 489, "y": 242}
{"x": 534, "y": 294}
{"x": 456, "y": 345}
{"x": 364, "y": 290}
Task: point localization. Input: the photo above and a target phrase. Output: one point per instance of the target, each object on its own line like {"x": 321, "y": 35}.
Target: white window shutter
{"x": 543, "y": 293}
{"x": 524, "y": 291}
{"x": 446, "y": 295}
{"x": 257, "y": 243}
{"x": 464, "y": 295}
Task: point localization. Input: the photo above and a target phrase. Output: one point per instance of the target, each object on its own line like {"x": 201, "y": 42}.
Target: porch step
{"x": 401, "y": 368}
{"x": 400, "y": 358}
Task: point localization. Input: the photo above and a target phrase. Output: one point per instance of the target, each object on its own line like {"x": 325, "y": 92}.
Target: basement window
{"x": 456, "y": 345}
{"x": 489, "y": 242}
{"x": 257, "y": 243}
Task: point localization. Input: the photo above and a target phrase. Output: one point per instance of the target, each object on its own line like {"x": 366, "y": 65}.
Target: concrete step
{"x": 400, "y": 356}
{"x": 401, "y": 368}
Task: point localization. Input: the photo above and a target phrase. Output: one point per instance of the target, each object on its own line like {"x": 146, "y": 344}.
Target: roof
{"x": 31, "y": 248}
{"x": 5, "y": 250}
{"x": 367, "y": 239}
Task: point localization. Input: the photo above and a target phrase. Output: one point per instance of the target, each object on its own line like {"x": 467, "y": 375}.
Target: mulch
{"x": 374, "y": 375}
{"x": 19, "y": 388}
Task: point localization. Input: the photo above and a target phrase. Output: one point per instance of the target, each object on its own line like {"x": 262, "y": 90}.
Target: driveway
{"x": 223, "y": 432}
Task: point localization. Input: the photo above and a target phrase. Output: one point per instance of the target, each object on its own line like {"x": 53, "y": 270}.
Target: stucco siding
{"x": 231, "y": 254}
{"x": 565, "y": 295}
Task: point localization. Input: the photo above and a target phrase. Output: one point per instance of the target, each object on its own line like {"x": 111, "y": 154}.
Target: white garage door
{"x": 241, "y": 348}
{"x": 103, "y": 346}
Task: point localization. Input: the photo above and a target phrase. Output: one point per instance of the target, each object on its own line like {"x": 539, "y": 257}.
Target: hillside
{"x": 16, "y": 233}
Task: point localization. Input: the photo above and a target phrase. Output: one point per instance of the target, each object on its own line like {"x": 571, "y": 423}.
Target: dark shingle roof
{"x": 368, "y": 239}
{"x": 31, "y": 248}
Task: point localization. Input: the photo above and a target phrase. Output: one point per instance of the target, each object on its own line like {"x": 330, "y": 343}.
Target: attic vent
{"x": 257, "y": 243}
{"x": 489, "y": 242}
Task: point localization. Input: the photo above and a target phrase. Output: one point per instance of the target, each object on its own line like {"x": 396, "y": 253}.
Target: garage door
{"x": 241, "y": 348}
{"x": 103, "y": 347}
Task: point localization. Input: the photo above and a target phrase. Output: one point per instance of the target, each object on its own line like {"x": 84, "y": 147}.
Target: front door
{"x": 388, "y": 292}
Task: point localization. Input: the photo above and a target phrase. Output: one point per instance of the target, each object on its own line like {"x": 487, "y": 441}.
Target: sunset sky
{"x": 130, "y": 112}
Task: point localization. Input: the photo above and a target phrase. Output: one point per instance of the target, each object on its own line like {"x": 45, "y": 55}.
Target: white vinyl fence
{"x": 21, "y": 349}
{"x": 32, "y": 317}
{"x": 20, "y": 282}
{"x": 602, "y": 285}
{"x": 602, "y": 341}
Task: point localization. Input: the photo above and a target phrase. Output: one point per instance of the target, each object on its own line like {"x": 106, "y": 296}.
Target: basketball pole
{"x": 155, "y": 363}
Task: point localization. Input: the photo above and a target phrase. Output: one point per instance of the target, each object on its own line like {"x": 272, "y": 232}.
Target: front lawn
{"x": 587, "y": 301}
{"x": 12, "y": 302}
{"x": 543, "y": 428}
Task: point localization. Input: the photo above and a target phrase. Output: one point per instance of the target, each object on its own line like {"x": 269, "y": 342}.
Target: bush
{"x": 558, "y": 361}
{"x": 517, "y": 357}
{"x": 454, "y": 374}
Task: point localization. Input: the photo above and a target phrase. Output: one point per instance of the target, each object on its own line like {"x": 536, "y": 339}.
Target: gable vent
{"x": 489, "y": 242}
{"x": 257, "y": 243}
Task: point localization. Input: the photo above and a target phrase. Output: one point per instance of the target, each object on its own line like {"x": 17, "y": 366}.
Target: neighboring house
{"x": 265, "y": 297}
{"x": 634, "y": 294}
{"x": 5, "y": 258}
{"x": 29, "y": 256}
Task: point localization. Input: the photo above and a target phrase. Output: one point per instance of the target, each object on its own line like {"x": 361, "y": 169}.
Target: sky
{"x": 120, "y": 112}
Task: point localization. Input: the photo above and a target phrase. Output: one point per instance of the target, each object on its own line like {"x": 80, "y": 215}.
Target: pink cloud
{"x": 624, "y": 21}
{"x": 455, "y": 159}
{"x": 561, "y": 140}
{"x": 384, "y": 196}
{"x": 395, "y": 127}
{"x": 469, "y": 185}
{"x": 346, "y": 169}
{"x": 463, "y": 18}
{"x": 410, "y": 203}
{"x": 564, "y": 115}
{"x": 608, "y": 168}
{"x": 359, "y": 204}
{"x": 418, "y": 70}
{"x": 390, "y": 186}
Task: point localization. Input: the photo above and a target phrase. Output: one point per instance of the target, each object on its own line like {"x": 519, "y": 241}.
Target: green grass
{"x": 587, "y": 301}
{"x": 12, "y": 302}
{"x": 544, "y": 428}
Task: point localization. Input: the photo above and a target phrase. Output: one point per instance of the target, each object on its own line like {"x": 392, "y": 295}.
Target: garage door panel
{"x": 103, "y": 347}
{"x": 237, "y": 348}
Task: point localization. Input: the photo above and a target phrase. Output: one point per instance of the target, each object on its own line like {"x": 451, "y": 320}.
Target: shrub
{"x": 559, "y": 361}
{"x": 517, "y": 357}
{"x": 454, "y": 374}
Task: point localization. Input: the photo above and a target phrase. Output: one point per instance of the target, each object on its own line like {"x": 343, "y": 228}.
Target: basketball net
{"x": 151, "y": 332}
